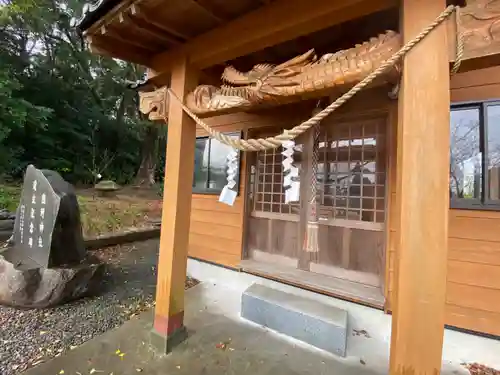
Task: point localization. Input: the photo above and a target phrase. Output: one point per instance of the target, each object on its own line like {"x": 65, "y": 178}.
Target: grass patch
{"x": 105, "y": 215}
{"x": 9, "y": 197}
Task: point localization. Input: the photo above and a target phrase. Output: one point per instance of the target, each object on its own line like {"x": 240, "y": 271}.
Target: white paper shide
{"x": 228, "y": 194}
{"x": 291, "y": 181}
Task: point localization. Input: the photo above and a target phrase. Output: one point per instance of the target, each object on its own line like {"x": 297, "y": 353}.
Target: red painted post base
{"x": 168, "y": 332}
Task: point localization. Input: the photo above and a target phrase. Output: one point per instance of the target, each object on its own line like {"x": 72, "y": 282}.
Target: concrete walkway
{"x": 212, "y": 318}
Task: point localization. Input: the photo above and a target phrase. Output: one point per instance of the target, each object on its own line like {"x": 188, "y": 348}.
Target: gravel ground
{"x": 29, "y": 337}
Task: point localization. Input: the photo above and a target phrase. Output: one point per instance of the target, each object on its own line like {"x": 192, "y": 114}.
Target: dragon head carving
{"x": 266, "y": 79}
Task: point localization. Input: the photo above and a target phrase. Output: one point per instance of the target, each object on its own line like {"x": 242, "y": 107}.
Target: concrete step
{"x": 310, "y": 321}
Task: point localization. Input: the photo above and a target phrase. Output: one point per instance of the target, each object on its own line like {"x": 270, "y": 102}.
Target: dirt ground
{"x": 31, "y": 337}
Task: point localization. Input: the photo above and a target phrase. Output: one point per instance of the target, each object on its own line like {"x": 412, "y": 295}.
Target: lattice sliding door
{"x": 352, "y": 195}
{"x": 352, "y": 175}
{"x": 273, "y": 234}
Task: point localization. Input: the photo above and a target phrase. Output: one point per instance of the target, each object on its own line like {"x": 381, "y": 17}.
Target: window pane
{"x": 218, "y": 164}
{"x": 201, "y": 163}
{"x": 356, "y": 162}
{"x": 465, "y": 155}
{"x": 493, "y": 115}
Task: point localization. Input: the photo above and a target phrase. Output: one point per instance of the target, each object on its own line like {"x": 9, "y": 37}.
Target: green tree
{"x": 68, "y": 110}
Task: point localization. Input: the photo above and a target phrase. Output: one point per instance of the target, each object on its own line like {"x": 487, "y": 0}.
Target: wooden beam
{"x": 478, "y": 24}
{"x": 267, "y": 26}
{"x": 207, "y": 10}
{"x": 113, "y": 37}
{"x": 143, "y": 27}
{"x": 140, "y": 12}
{"x": 423, "y": 197}
{"x": 103, "y": 47}
{"x": 172, "y": 263}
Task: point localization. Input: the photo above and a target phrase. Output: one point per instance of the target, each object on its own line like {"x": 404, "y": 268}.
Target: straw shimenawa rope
{"x": 459, "y": 53}
{"x": 262, "y": 144}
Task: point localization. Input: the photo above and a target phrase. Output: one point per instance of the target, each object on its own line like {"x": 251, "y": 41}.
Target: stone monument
{"x": 46, "y": 262}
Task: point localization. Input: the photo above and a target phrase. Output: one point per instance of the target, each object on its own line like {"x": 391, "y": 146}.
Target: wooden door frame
{"x": 247, "y": 207}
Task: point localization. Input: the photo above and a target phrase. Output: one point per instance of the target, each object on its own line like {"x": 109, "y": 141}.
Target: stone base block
{"x": 310, "y": 321}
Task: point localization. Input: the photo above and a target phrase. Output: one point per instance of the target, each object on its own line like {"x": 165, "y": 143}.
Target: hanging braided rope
{"x": 288, "y": 135}
{"x": 311, "y": 244}
{"x": 460, "y": 45}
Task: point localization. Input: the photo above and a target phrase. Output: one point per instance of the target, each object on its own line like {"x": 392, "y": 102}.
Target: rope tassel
{"x": 311, "y": 244}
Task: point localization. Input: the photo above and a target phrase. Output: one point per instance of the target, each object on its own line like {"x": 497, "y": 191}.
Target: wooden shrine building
{"x": 406, "y": 174}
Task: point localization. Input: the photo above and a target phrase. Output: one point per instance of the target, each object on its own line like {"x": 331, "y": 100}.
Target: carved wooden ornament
{"x": 480, "y": 27}
{"x": 154, "y": 104}
{"x": 308, "y": 76}
{"x": 300, "y": 77}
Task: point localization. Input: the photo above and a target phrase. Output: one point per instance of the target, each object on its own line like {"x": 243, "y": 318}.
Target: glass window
{"x": 210, "y": 165}
{"x": 465, "y": 154}
{"x": 475, "y": 155}
{"x": 201, "y": 161}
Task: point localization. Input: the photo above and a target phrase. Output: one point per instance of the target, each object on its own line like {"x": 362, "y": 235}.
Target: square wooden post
{"x": 423, "y": 197}
{"x": 176, "y": 211}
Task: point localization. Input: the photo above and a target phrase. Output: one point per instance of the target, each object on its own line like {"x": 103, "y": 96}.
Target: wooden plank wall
{"x": 473, "y": 288}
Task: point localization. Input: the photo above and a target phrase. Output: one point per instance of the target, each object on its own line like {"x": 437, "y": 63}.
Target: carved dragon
{"x": 301, "y": 76}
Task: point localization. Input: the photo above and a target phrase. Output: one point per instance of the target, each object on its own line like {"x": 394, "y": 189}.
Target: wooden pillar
{"x": 172, "y": 262}
{"x": 423, "y": 164}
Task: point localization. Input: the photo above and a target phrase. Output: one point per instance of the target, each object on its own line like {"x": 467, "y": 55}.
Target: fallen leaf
{"x": 138, "y": 369}
{"x": 117, "y": 351}
{"x": 61, "y": 372}
{"x": 179, "y": 367}
{"x": 42, "y": 333}
{"x": 361, "y": 332}
{"x": 362, "y": 362}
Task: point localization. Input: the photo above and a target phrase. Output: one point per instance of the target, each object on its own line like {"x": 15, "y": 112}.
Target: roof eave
{"x": 91, "y": 13}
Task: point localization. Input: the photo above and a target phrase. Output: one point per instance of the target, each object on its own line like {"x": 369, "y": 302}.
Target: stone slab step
{"x": 310, "y": 321}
